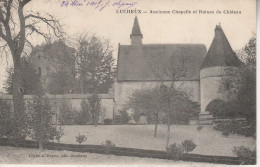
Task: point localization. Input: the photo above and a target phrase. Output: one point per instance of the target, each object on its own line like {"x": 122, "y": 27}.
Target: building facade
{"x": 143, "y": 66}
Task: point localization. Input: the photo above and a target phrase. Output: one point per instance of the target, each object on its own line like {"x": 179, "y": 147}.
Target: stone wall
{"x": 124, "y": 90}
{"x": 107, "y": 102}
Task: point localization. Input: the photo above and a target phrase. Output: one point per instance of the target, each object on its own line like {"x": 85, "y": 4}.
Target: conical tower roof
{"x": 136, "y": 29}
{"x": 220, "y": 52}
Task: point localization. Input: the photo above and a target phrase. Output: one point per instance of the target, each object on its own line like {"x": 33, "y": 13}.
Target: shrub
{"x": 241, "y": 127}
{"x": 14, "y": 126}
{"x": 109, "y": 146}
{"x": 226, "y": 132}
{"x": 94, "y": 108}
{"x": 59, "y": 134}
{"x": 123, "y": 118}
{"x": 80, "y": 138}
{"x": 66, "y": 115}
{"x": 188, "y": 145}
{"x": 199, "y": 128}
{"x": 245, "y": 155}
{"x": 175, "y": 151}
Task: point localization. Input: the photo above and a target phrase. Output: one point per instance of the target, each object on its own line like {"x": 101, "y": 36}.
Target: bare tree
{"x": 16, "y": 28}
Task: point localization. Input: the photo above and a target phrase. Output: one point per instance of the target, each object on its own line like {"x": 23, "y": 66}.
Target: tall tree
{"x": 40, "y": 118}
{"x": 240, "y": 84}
{"x": 15, "y": 29}
{"x": 94, "y": 64}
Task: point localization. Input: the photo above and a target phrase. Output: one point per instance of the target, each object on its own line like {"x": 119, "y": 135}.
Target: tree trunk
{"x": 18, "y": 89}
{"x": 168, "y": 131}
{"x": 156, "y": 125}
{"x": 40, "y": 145}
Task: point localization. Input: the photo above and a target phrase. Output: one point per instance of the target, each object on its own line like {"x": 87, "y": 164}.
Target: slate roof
{"x": 220, "y": 52}
{"x": 147, "y": 62}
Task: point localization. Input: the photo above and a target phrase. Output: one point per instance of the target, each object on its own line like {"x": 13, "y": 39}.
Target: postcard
{"x": 128, "y": 82}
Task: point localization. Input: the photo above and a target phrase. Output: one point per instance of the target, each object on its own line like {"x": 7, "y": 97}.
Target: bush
{"x": 109, "y": 146}
{"x": 188, "y": 145}
{"x": 59, "y": 134}
{"x": 123, "y": 118}
{"x": 80, "y": 138}
{"x": 245, "y": 155}
{"x": 217, "y": 108}
{"x": 14, "y": 126}
{"x": 175, "y": 151}
{"x": 199, "y": 128}
{"x": 241, "y": 127}
{"x": 66, "y": 115}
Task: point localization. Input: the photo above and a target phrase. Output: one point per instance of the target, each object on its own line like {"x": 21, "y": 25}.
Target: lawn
{"x": 209, "y": 141}
{"x": 12, "y": 155}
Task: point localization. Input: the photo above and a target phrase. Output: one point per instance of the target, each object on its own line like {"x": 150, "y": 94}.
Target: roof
{"x": 148, "y": 62}
{"x": 136, "y": 28}
{"x": 220, "y": 52}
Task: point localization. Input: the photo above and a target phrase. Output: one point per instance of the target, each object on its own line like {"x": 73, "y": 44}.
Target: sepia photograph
{"x": 128, "y": 82}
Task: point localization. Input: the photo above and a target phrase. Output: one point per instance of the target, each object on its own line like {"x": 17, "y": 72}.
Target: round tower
{"x": 220, "y": 56}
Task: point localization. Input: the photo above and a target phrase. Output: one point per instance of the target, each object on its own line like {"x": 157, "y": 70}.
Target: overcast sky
{"x": 156, "y": 28}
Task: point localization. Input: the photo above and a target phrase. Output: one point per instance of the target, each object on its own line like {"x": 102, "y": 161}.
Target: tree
{"x": 84, "y": 115}
{"x": 40, "y": 119}
{"x": 15, "y": 30}
{"x": 60, "y": 82}
{"x": 240, "y": 84}
{"x": 30, "y": 78}
{"x": 94, "y": 64}
{"x": 146, "y": 100}
{"x": 94, "y": 102}
{"x": 66, "y": 115}
{"x": 175, "y": 103}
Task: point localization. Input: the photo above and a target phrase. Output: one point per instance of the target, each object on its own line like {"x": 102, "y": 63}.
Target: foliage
{"x": 94, "y": 64}
{"x": 40, "y": 118}
{"x": 188, "y": 145}
{"x": 59, "y": 134}
{"x": 241, "y": 127}
{"x": 66, "y": 115}
{"x": 175, "y": 151}
{"x": 109, "y": 146}
{"x": 217, "y": 108}
{"x": 145, "y": 101}
{"x": 80, "y": 138}
{"x": 60, "y": 82}
{"x": 94, "y": 108}
{"x": 83, "y": 117}
{"x": 30, "y": 78}
{"x": 13, "y": 126}
{"x": 240, "y": 85}
{"x": 18, "y": 26}
{"x": 199, "y": 128}
{"x": 245, "y": 155}
{"x": 123, "y": 117}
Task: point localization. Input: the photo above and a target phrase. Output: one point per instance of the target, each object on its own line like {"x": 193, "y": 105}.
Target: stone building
{"x": 143, "y": 66}
{"x": 50, "y": 58}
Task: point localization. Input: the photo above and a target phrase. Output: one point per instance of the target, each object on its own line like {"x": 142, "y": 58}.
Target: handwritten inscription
{"x": 99, "y": 4}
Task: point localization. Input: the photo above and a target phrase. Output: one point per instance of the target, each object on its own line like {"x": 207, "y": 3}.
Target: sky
{"x": 156, "y": 28}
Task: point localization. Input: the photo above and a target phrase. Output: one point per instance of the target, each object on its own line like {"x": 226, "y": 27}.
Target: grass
{"x": 209, "y": 141}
